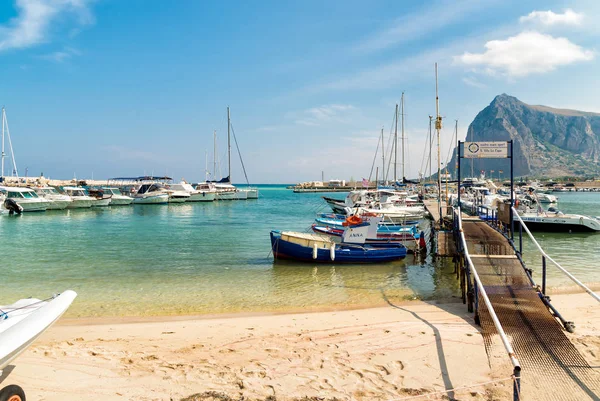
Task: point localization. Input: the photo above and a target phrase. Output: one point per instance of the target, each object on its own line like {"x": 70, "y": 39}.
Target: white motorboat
{"x": 554, "y": 220}
{"x": 196, "y": 195}
{"x": 22, "y": 323}
{"x": 117, "y": 198}
{"x": 152, "y": 193}
{"x": 81, "y": 199}
{"x": 26, "y": 198}
{"x": 57, "y": 200}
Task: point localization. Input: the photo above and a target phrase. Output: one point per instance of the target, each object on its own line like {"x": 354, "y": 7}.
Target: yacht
{"x": 26, "y": 198}
{"x": 80, "y": 198}
{"x": 196, "y": 195}
{"x": 208, "y": 191}
{"x": 117, "y": 198}
{"x": 251, "y": 192}
{"x": 554, "y": 220}
{"x": 152, "y": 193}
{"x": 57, "y": 200}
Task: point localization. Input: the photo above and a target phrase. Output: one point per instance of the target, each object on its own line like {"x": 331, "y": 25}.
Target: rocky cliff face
{"x": 547, "y": 142}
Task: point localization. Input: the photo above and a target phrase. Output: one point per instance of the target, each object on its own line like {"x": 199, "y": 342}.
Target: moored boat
{"x": 151, "y": 194}
{"x": 26, "y": 198}
{"x": 308, "y": 247}
{"x": 57, "y": 200}
{"x": 80, "y": 198}
{"x": 117, "y": 197}
{"x": 554, "y": 220}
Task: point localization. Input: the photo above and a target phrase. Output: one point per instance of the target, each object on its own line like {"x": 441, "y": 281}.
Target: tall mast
{"x": 396, "y": 145}
{"x": 214, "y": 154}
{"x": 403, "y": 137}
{"x": 228, "y": 144}
{"x": 438, "y": 127}
{"x": 430, "y": 145}
{"x": 382, "y": 157}
{"x": 3, "y": 140}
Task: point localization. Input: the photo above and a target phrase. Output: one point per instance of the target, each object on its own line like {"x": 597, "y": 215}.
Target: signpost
{"x": 488, "y": 150}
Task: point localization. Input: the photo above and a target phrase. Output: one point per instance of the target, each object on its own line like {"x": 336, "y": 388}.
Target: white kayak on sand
{"x": 25, "y": 320}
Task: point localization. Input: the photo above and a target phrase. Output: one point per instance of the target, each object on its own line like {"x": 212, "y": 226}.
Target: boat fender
{"x": 332, "y": 252}
{"x": 315, "y": 250}
{"x": 422, "y": 243}
{"x": 581, "y": 220}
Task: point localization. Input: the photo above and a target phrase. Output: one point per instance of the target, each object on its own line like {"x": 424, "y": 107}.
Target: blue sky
{"x": 108, "y": 88}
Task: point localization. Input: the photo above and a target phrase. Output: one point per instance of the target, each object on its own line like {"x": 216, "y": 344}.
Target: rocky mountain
{"x": 548, "y": 142}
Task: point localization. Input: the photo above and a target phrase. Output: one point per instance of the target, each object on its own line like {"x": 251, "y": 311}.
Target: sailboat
{"x": 225, "y": 189}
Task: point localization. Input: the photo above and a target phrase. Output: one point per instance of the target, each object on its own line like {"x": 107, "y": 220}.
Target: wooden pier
{"x": 552, "y": 368}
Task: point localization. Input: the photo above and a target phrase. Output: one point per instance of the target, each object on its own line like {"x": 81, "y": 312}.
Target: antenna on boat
{"x": 438, "y": 127}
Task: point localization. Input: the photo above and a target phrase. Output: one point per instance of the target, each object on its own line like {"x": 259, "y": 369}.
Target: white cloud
{"x": 318, "y": 115}
{"x": 432, "y": 18}
{"x": 569, "y": 17}
{"x": 34, "y": 18}
{"x": 472, "y": 81}
{"x": 526, "y": 53}
{"x": 61, "y": 56}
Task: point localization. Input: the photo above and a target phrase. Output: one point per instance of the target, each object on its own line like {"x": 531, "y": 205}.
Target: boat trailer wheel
{"x": 12, "y": 393}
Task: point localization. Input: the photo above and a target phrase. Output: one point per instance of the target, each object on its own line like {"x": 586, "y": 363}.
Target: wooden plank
{"x": 445, "y": 244}
{"x": 494, "y": 256}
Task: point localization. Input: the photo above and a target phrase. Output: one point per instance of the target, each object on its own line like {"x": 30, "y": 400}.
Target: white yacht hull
{"x": 160, "y": 199}
{"x": 80, "y": 203}
{"x": 240, "y": 195}
{"x": 56, "y": 204}
{"x": 178, "y": 199}
{"x": 229, "y": 195}
{"x": 202, "y": 197}
{"x": 101, "y": 202}
{"x": 560, "y": 223}
{"x": 251, "y": 193}
{"x": 123, "y": 200}
{"x": 29, "y": 206}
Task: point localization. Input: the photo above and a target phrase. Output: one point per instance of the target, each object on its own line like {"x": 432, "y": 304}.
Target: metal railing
{"x": 545, "y": 257}
{"x": 479, "y": 288}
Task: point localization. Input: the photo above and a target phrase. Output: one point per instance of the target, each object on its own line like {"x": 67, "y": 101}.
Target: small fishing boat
{"x": 407, "y": 235}
{"x": 21, "y": 323}
{"x": 308, "y": 247}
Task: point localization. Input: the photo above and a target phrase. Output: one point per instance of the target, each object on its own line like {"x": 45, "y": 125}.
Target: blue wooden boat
{"x": 307, "y": 247}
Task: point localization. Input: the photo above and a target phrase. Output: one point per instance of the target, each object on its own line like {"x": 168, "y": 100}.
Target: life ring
{"x": 352, "y": 221}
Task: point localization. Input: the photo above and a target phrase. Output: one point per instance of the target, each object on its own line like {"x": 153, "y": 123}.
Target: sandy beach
{"x": 386, "y": 353}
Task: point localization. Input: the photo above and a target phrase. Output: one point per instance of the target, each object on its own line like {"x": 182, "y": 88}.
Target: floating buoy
{"x": 315, "y": 250}
{"x": 332, "y": 252}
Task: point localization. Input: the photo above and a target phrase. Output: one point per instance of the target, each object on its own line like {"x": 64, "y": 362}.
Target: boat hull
{"x": 101, "y": 202}
{"x": 344, "y": 253}
{"x": 80, "y": 203}
{"x": 229, "y": 195}
{"x": 558, "y": 225}
{"x": 26, "y": 320}
{"x": 160, "y": 199}
{"x": 202, "y": 197}
{"x": 58, "y": 204}
{"x": 38, "y": 206}
{"x": 251, "y": 193}
{"x": 408, "y": 239}
{"x": 120, "y": 200}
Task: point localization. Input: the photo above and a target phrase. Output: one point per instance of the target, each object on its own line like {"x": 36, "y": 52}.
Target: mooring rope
{"x": 4, "y": 314}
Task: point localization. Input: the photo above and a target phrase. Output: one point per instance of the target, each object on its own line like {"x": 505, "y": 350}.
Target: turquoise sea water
{"x": 197, "y": 258}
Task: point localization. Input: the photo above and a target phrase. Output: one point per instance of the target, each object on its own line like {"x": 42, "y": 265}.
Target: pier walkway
{"x": 552, "y": 368}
